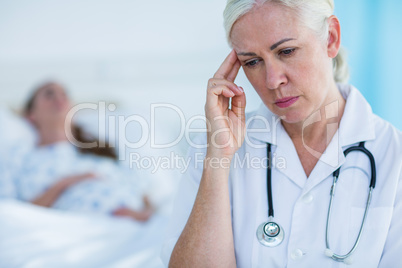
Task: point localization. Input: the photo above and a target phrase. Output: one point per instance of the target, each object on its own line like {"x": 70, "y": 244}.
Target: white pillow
{"x": 16, "y": 131}
{"x": 17, "y": 137}
{"x": 7, "y": 186}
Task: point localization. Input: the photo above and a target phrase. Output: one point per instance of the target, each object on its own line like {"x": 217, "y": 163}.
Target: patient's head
{"x": 47, "y": 109}
{"x": 48, "y": 105}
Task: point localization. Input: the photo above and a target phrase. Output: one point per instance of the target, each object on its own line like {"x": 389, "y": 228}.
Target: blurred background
{"x": 134, "y": 53}
{"x": 125, "y": 56}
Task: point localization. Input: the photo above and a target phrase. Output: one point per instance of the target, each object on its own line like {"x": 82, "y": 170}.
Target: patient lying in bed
{"x": 60, "y": 175}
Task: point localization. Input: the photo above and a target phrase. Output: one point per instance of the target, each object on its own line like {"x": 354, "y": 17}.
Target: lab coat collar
{"x": 357, "y": 121}
{"x": 356, "y": 125}
{"x": 265, "y": 127}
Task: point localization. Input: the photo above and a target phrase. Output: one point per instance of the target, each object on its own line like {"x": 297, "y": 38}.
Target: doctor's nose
{"x": 275, "y": 75}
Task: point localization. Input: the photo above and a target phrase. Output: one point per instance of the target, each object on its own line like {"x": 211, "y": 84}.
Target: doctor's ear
{"x": 334, "y": 36}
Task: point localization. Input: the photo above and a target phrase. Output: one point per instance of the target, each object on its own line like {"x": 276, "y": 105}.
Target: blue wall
{"x": 372, "y": 35}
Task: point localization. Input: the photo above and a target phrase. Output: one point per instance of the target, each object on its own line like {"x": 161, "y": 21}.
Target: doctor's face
{"x": 286, "y": 63}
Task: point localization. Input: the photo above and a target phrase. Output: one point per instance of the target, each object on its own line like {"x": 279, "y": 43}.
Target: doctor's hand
{"x": 226, "y": 126}
{"x": 209, "y": 226}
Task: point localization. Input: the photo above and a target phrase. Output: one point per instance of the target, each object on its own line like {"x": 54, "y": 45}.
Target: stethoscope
{"x": 271, "y": 234}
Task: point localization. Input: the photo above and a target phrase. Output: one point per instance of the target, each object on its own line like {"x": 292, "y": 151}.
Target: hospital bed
{"x": 32, "y": 236}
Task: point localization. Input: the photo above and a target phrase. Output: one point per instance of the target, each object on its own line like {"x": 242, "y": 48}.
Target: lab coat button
{"x": 296, "y": 254}
{"x": 307, "y": 198}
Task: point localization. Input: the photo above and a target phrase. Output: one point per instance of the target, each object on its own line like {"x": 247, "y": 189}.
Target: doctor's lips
{"x": 286, "y": 102}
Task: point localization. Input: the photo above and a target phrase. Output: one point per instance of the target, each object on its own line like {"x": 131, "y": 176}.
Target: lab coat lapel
{"x": 355, "y": 126}
{"x": 330, "y": 160}
{"x": 282, "y": 149}
{"x": 286, "y": 149}
{"x": 357, "y": 121}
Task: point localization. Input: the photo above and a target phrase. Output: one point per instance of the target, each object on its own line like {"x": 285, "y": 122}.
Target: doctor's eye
{"x": 252, "y": 63}
{"x": 287, "y": 52}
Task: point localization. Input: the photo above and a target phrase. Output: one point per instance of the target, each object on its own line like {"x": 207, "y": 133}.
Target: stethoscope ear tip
{"x": 329, "y": 253}
{"x": 348, "y": 260}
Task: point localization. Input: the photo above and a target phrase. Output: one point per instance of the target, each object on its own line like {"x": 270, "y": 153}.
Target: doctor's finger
{"x": 216, "y": 96}
{"x": 220, "y": 90}
{"x": 235, "y": 70}
{"x": 213, "y": 82}
{"x": 227, "y": 66}
{"x": 238, "y": 105}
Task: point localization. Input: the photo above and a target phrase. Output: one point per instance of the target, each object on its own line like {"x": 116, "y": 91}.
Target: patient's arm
{"x": 48, "y": 198}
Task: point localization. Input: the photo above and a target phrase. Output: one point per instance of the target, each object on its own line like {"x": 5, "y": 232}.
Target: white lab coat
{"x": 301, "y": 203}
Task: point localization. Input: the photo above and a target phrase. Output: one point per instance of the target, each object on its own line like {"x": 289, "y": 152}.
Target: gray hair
{"x": 312, "y": 13}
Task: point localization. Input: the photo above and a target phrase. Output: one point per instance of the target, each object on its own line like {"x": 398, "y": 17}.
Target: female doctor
{"x": 265, "y": 194}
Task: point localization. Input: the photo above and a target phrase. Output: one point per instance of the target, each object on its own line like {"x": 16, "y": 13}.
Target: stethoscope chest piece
{"x": 270, "y": 234}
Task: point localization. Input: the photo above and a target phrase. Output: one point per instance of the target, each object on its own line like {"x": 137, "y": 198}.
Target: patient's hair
{"x": 79, "y": 134}
{"x": 312, "y": 13}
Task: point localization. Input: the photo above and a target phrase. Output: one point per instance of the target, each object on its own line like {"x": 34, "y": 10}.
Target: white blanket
{"x": 32, "y": 236}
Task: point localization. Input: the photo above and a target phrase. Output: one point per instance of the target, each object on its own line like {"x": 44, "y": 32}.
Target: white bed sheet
{"x": 32, "y": 236}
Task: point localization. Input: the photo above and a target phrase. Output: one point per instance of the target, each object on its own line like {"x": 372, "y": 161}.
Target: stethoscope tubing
{"x": 334, "y": 256}
{"x": 361, "y": 148}
{"x": 339, "y": 257}
{"x": 269, "y": 183}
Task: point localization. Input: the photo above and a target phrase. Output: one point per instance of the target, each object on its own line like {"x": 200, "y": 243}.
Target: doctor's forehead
{"x": 265, "y": 25}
